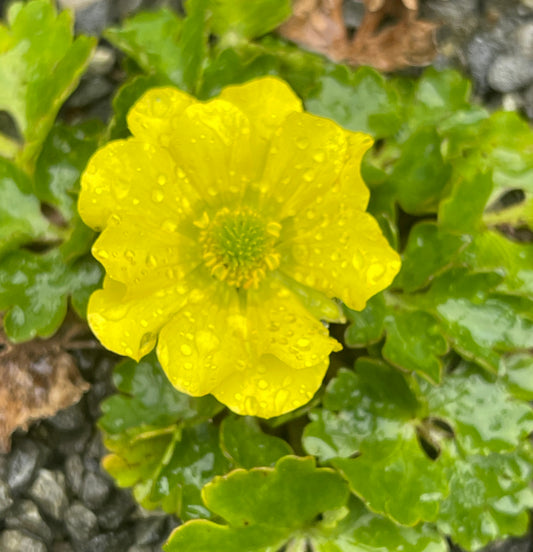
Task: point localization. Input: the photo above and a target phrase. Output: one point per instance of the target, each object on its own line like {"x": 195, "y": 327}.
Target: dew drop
{"x": 151, "y": 261}
{"x": 158, "y": 196}
{"x": 302, "y": 143}
{"x": 143, "y": 323}
{"x": 102, "y": 254}
{"x": 375, "y": 272}
{"x": 309, "y": 176}
{"x": 262, "y": 384}
{"x": 186, "y": 350}
{"x": 161, "y": 179}
{"x": 319, "y": 157}
{"x": 303, "y": 343}
{"x": 129, "y": 255}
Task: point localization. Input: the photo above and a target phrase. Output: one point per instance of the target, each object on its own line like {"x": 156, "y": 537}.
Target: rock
{"x": 16, "y": 541}
{"x": 95, "y": 395}
{"x": 120, "y": 505}
{"x": 126, "y": 8}
{"x": 93, "y": 452}
{"x": 510, "y": 72}
{"x": 524, "y": 39}
{"x": 74, "y": 472}
{"x": 527, "y": 3}
{"x": 136, "y": 548}
{"x": 353, "y": 13}
{"x": 49, "y": 493}
{"x": 150, "y": 531}
{"x": 95, "y": 490}
{"x": 90, "y": 90}
{"x": 80, "y": 522}
{"x": 107, "y": 542}
{"x": 25, "y": 516}
{"x": 6, "y": 501}
{"x": 23, "y": 462}
{"x": 62, "y": 546}
{"x": 102, "y": 61}
{"x": 91, "y": 16}
{"x": 68, "y": 419}
{"x": 74, "y": 442}
{"x": 480, "y": 53}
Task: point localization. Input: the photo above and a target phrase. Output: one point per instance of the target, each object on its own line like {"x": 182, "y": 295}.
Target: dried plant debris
{"x": 390, "y": 36}
{"x": 38, "y": 379}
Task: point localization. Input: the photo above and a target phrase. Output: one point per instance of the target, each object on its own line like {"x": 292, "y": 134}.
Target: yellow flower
{"x": 227, "y": 228}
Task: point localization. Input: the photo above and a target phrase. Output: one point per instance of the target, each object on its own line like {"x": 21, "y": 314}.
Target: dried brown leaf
{"x": 319, "y": 26}
{"x": 38, "y": 378}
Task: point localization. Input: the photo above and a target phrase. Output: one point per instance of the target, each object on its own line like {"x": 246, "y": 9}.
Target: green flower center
{"x": 238, "y": 246}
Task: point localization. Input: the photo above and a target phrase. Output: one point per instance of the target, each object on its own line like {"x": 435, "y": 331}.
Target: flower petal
{"x": 133, "y": 250}
{"x": 290, "y": 356}
{"x": 306, "y": 157}
{"x": 153, "y": 115}
{"x": 205, "y": 342}
{"x": 266, "y": 102}
{"x": 136, "y": 180}
{"x": 270, "y": 388}
{"x": 126, "y": 320}
{"x": 343, "y": 254}
{"x": 214, "y": 148}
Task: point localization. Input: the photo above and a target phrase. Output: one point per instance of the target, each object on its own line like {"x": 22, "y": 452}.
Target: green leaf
{"x": 151, "y": 39}
{"x": 490, "y": 497}
{"x": 366, "y": 327}
{"x": 480, "y": 323}
{"x": 414, "y": 342}
{"x": 364, "y": 531}
{"x": 481, "y": 412}
{"x": 162, "y": 442}
{"x": 245, "y": 444}
{"x": 437, "y": 95}
{"x": 369, "y": 414}
{"x": 519, "y": 375}
{"x": 358, "y": 100}
{"x": 147, "y": 397}
{"x": 40, "y": 65}
{"x": 420, "y": 175}
{"x": 21, "y": 220}
{"x": 264, "y": 507}
{"x": 63, "y": 158}
{"x": 491, "y": 251}
{"x": 165, "y": 45}
{"x": 235, "y": 20}
{"x": 428, "y": 253}
{"x": 34, "y": 288}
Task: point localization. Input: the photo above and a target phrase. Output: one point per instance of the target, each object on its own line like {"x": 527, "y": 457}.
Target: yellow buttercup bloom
{"x": 228, "y": 227}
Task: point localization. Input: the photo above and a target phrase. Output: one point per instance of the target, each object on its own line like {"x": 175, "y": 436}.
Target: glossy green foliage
{"x": 35, "y": 288}
{"x": 21, "y": 220}
{"x": 40, "y": 65}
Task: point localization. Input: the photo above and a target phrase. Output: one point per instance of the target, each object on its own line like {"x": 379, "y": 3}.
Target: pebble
{"x": 6, "y": 501}
{"x": 26, "y": 516}
{"x": 95, "y": 490}
{"x": 510, "y": 72}
{"x": 13, "y": 540}
{"x": 149, "y": 531}
{"x": 102, "y": 61}
{"x": 108, "y": 542}
{"x": 68, "y": 419}
{"x": 22, "y": 464}
{"x": 524, "y": 39}
{"x": 74, "y": 473}
{"x": 80, "y": 522}
{"x": 116, "y": 510}
{"x": 480, "y": 53}
{"x": 49, "y": 493}
{"x": 91, "y": 16}
{"x": 90, "y": 90}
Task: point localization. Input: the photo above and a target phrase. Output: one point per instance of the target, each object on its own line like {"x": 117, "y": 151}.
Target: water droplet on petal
{"x": 262, "y": 384}
{"x": 303, "y": 343}
{"x": 161, "y": 179}
{"x": 186, "y": 350}
{"x": 280, "y": 399}
{"x": 251, "y": 406}
{"x": 319, "y": 157}
{"x": 158, "y": 196}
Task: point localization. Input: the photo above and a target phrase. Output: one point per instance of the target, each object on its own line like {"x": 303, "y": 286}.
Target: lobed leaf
{"x": 40, "y": 65}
